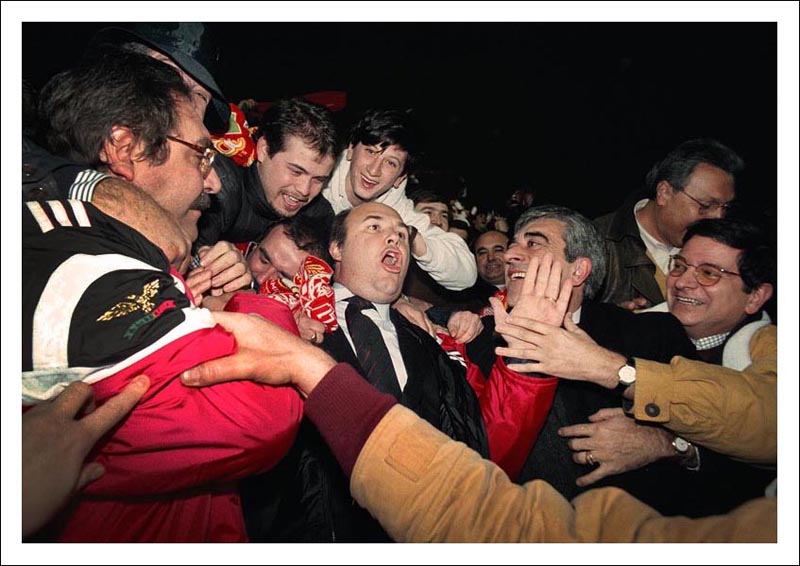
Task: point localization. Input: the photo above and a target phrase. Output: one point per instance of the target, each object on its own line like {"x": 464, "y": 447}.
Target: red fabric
{"x": 237, "y": 143}
{"x": 170, "y": 465}
{"x": 310, "y": 293}
{"x": 501, "y": 294}
{"x": 514, "y": 408}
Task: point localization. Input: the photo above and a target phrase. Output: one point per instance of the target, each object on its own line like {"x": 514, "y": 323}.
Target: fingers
{"x": 554, "y": 281}
{"x": 529, "y": 283}
{"x": 520, "y": 353}
{"x": 594, "y": 476}
{"x": 101, "y": 420}
{"x": 583, "y": 429}
{"x": 606, "y": 414}
{"x": 464, "y": 326}
{"x": 73, "y": 400}
{"x": 231, "y": 368}
{"x": 199, "y": 281}
{"x": 564, "y": 295}
{"x": 530, "y": 367}
{"x": 543, "y": 276}
{"x": 498, "y": 310}
{"x": 88, "y": 474}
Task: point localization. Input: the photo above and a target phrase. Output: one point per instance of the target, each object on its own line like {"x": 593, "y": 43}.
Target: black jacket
{"x": 307, "y": 497}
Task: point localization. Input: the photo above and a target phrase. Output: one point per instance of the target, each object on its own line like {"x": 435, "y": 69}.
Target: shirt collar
{"x": 660, "y": 251}
{"x": 710, "y": 341}
{"x": 342, "y": 293}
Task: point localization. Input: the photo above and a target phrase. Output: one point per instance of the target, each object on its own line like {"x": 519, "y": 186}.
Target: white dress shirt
{"x": 660, "y": 252}
{"x": 381, "y": 319}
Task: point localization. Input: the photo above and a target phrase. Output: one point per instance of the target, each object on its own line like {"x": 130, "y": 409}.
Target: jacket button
{"x": 652, "y": 410}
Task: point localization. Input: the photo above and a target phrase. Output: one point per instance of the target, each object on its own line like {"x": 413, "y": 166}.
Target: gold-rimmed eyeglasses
{"x": 705, "y": 273}
{"x": 208, "y": 154}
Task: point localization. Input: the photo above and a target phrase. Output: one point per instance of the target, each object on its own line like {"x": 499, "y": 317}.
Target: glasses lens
{"x": 207, "y": 162}
{"x": 676, "y": 266}
{"x": 707, "y": 275}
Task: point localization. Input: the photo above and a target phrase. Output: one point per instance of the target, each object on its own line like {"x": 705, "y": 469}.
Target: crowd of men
{"x": 328, "y": 360}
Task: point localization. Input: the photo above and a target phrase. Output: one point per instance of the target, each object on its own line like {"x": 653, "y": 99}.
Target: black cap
{"x": 190, "y": 46}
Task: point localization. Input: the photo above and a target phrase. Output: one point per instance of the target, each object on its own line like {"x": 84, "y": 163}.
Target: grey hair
{"x": 581, "y": 239}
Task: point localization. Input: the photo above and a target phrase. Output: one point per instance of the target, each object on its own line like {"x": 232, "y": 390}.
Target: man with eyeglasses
{"x": 696, "y": 180}
{"x": 101, "y": 304}
{"x": 717, "y": 288}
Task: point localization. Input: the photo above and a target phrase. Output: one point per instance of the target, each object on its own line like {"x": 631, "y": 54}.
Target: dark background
{"x": 579, "y": 110}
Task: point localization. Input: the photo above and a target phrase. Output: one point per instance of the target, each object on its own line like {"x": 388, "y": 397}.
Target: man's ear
{"x": 399, "y": 180}
{"x": 349, "y": 153}
{"x": 664, "y": 192}
{"x": 758, "y": 297}
{"x": 335, "y": 251}
{"x": 581, "y": 269}
{"x": 118, "y": 152}
{"x": 262, "y": 149}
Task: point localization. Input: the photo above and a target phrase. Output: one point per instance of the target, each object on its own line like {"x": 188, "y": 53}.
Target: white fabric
{"x": 381, "y": 319}
{"x": 660, "y": 252}
{"x": 736, "y": 354}
{"x": 448, "y": 259}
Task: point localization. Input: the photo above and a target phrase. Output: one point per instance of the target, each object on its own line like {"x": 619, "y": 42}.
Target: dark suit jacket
{"x": 307, "y": 497}
{"x": 719, "y": 486}
{"x": 652, "y": 336}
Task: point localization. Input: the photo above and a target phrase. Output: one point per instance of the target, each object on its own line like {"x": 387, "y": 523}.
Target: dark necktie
{"x": 371, "y": 351}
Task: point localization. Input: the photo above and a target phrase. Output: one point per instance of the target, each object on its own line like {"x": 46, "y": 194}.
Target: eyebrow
{"x": 527, "y": 235}
{"x": 297, "y": 166}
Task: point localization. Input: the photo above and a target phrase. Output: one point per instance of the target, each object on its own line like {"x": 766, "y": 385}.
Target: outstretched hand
{"x": 566, "y": 352}
{"x": 543, "y": 297}
{"x": 266, "y": 353}
{"x": 55, "y": 442}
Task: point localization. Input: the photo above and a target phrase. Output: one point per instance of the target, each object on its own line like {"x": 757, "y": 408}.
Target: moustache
{"x": 201, "y": 203}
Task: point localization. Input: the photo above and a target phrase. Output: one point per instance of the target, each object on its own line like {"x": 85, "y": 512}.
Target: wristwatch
{"x": 626, "y": 375}
{"x": 681, "y": 445}
{"x": 686, "y": 454}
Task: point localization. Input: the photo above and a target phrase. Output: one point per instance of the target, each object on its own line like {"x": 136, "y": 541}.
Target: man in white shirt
{"x": 374, "y": 168}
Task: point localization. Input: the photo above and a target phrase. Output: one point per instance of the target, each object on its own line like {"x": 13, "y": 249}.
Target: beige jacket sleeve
{"x": 425, "y": 487}
{"x": 732, "y": 412}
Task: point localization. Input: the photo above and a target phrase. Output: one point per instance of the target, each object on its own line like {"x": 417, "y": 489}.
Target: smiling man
{"x": 716, "y": 287}
{"x": 383, "y": 148}
{"x": 295, "y": 153}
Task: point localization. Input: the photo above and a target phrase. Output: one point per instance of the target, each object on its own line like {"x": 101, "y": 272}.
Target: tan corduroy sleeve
{"x": 732, "y": 412}
{"x": 424, "y": 487}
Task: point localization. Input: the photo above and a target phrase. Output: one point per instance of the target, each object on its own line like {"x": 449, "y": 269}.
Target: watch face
{"x": 680, "y": 444}
{"x": 627, "y": 375}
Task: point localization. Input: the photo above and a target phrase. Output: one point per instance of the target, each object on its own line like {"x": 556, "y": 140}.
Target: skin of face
{"x": 676, "y": 211}
{"x": 373, "y": 260}
{"x": 277, "y": 256}
{"x": 534, "y": 240}
{"x": 490, "y": 248}
{"x": 706, "y": 311}
{"x": 438, "y": 212}
{"x": 292, "y": 177}
{"x": 177, "y": 184}
{"x": 373, "y": 171}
